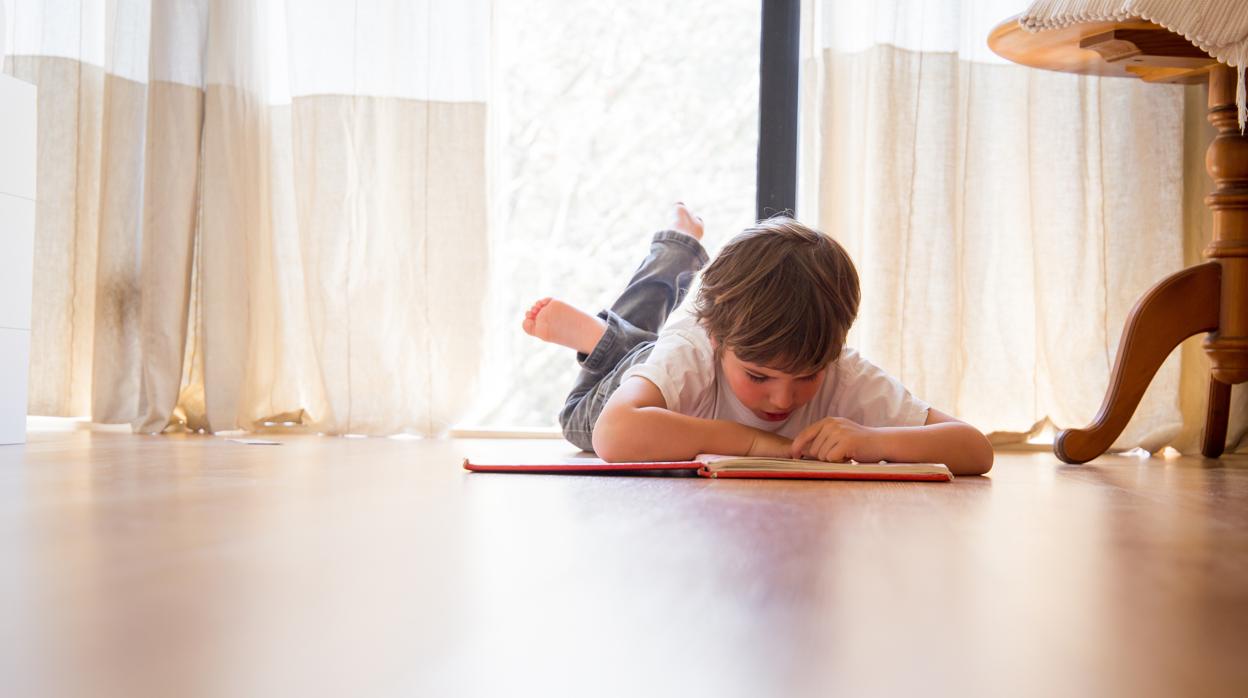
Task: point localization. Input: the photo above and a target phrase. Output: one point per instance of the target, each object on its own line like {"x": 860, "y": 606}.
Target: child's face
{"x": 772, "y": 395}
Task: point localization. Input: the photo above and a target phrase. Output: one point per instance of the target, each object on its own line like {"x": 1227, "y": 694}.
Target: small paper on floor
{"x": 256, "y": 442}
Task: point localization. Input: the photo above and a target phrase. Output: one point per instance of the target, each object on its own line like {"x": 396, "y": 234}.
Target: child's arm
{"x": 943, "y": 439}
{"x": 635, "y": 425}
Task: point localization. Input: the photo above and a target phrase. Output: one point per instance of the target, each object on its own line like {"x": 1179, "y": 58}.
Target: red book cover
{"x": 714, "y": 466}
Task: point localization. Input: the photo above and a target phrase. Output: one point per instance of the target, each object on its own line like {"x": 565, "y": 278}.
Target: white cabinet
{"x": 17, "y": 244}
{"x": 17, "y": 249}
{"x": 17, "y": 137}
{"x": 14, "y": 363}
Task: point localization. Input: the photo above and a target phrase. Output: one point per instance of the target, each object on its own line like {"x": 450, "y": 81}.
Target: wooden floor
{"x": 185, "y": 566}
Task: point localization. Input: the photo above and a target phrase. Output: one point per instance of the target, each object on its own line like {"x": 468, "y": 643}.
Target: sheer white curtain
{"x": 257, "y": 210}
{"x": 1004, "y": 219}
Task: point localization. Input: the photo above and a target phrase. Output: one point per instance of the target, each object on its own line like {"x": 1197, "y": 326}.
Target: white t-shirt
{"x": 683, "y": 367}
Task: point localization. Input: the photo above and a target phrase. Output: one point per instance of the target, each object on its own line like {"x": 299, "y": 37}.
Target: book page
{"x": 719, "y": 463}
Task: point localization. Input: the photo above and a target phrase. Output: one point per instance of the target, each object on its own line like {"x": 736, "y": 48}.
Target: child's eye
{"x": 756, "y": 379}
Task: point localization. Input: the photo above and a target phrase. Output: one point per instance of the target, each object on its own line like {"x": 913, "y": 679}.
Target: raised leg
{"x": 1216, "y": 417}
{"x": 1178, "y": 307}
{"x": 662, "y": 280}
{"x": 632, "y": 324}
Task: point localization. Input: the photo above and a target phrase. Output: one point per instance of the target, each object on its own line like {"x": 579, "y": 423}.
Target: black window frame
{"x": 778, "y": 86}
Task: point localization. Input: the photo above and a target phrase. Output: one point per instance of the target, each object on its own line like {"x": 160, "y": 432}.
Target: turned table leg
{"x": 1182, "y": 305}
{"x": 1227, "y": 163}
{"x": 1210, "y": 297}
{"x": 1217, "y": 415}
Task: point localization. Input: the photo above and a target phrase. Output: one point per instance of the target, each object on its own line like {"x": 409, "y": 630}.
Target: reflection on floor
{"x": 199, "y": 566}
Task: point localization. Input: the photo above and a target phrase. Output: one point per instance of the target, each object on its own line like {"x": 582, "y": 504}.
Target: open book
{"x": 707, "y": 465}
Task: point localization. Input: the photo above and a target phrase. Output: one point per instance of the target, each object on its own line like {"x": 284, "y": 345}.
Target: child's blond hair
{"x": 780, "y": 295}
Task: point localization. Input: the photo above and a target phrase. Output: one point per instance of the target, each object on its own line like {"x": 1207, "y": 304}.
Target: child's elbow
{"x": 605, "y": 448}
{"x": 978, "y": 467}
{"x": 607, "y": 442}
{"x": 981, "y": 458}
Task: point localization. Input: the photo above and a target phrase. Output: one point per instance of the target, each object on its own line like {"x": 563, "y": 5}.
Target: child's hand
{"x": 769, "y": 445}
{"x": 837, "y": 440}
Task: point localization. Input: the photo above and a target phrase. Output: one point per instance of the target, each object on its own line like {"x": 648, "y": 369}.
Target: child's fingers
{"x": 798, "y": 449}
{"x": 823, "y": 442}
{"x": 827, "y": 450}
{"x": 825, "y": 453}
{"x": 801, "y": 442}
{"x": 836, "y": 454}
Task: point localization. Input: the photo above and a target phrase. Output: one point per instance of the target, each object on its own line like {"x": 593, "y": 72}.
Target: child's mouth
{"x": 776, "y": 416}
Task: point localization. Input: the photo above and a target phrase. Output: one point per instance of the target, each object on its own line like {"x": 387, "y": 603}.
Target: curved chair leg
{"x": 1216, "y": 417}
{"x": 1178, "y": 307}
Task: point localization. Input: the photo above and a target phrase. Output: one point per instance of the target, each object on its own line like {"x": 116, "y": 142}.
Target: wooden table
{"x": 1208, "y": 297}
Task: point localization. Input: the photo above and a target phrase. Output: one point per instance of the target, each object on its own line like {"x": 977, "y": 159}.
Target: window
{"x": 603, "y": 114}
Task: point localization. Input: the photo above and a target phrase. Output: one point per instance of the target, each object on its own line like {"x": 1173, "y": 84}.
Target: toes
{"x": 533, "y": 315}
{"x": 537, "y": 308}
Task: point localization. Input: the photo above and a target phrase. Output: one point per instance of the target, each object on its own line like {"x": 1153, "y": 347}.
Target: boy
{"x": 759, "y": 369}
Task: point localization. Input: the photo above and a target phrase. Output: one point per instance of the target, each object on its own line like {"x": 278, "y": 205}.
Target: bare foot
{"x": 553, "y": 320}
{"x": 683, "y": 221}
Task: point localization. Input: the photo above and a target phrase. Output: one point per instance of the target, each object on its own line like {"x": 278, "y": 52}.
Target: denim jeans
{"x": 633, "y": 321}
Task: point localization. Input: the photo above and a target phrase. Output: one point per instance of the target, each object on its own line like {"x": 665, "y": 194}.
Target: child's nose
{"x": 782, "y": 399}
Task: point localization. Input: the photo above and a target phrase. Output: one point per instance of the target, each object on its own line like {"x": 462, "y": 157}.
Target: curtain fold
{"x": 1004, "y": 219}
{"x": 226, "y": 237}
